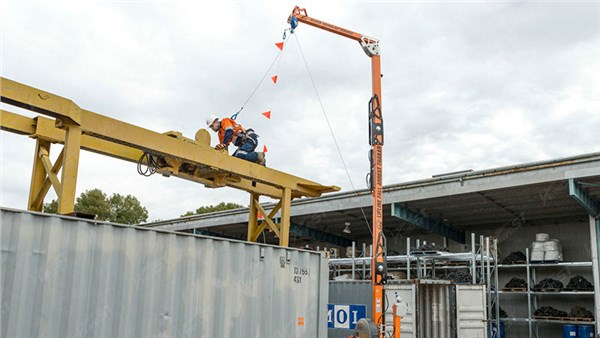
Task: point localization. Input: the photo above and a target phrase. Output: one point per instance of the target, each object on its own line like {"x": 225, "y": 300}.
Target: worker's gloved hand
{"x": 220, "y": 146}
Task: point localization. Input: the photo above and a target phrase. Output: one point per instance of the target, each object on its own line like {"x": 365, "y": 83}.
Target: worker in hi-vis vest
{"x": 229, "y": 132}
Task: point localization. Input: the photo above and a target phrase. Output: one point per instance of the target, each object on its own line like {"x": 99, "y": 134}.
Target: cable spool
{"x": 537, "y": 246}
{"x": 551, "y": 255}
{"x": 537, "y": 255}
{"x": 560, "y": 252}
{"x": 542, "y": 237}
{"x": 537, "y": 251}
{"x": 551, "y": 245}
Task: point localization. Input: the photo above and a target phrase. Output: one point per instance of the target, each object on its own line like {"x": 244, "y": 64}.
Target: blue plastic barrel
{"x": 569, "y": 331}
{"x": 585, "y": 331}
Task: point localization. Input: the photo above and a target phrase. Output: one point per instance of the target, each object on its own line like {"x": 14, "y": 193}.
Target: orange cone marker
{"x": 274, "y": 78}
{"x": 267, "y": 114}
{"x": 279, "y": 45}
{"x": 265, "y": 149}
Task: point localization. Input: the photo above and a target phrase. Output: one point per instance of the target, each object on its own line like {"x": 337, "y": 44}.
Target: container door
{"x": 407, "y": 293}
{"x": 471, "y": 313}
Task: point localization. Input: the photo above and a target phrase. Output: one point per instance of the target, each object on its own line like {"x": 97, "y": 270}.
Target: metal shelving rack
{"x": 532, "y": 296}
{"x": 422, "y": 265}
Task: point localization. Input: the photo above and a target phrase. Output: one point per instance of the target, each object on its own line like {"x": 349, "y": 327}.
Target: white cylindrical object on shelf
{"x": 542, "y": 237}
{"x": 537, "y": 246}
{"x": 551, "y": 246}
{"x": 551, "y": 255}
{"x": 537, "y": 255}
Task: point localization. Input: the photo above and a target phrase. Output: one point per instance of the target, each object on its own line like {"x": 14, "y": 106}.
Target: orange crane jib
{"x": 378, "y": 265}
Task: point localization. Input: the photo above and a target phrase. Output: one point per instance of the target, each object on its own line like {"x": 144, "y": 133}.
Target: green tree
{"x": 94, "y": 202}
{"x": 116, "y": 208}
{"x": 212, "y": 208}
{"x": 51, "y": 207}
{"x": 127, "y": 209}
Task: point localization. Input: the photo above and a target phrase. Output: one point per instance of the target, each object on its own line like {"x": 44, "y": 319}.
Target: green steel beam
{"x": 214, "y": 234}
{"x": 295, "y": 230}
{"x": 584, "y": 199}
{"x": 304, "y": 231}
{"x": 427, "y": 223}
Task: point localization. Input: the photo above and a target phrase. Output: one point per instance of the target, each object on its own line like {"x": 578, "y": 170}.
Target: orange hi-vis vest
{"x": 235, "y": 129}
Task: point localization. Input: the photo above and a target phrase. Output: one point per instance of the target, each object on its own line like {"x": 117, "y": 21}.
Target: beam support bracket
{"x": 584, "y": 199}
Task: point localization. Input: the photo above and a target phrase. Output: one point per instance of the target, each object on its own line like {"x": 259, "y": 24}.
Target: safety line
{"x": 234, "y": 116}
{"x": 331, "y": 130}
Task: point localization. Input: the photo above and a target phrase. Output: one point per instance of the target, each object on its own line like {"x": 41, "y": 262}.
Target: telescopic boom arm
{"x": 371, "y": 48}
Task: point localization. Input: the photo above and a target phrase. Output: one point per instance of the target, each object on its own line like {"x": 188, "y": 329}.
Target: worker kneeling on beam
{"x": 229, "y": 132}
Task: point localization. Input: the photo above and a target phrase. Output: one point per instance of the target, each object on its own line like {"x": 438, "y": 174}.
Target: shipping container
{"x": 344, "y": 296}
{"x": 435, "y": 308}
{"x": 68, "y": 277}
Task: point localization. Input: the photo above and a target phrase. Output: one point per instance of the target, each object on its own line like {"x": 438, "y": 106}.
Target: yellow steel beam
{"x": 38, "y": 201}
{"x": 17, "y": 124}
{"x": 38, "y": 176}
{"x": 37, "y": 100}
{"x": 66, "y": 200}
{"x": 253, "y": 216}
{"x": 45, "y": 159}
{"x": 139, "y": 138}
{"x": 193, "y": 160}
{"x": 267, "y": 221}
{"x": 286, "y": 204}
{"x": 43, "y": 128}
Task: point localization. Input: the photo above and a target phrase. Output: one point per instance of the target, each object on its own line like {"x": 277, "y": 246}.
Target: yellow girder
{"x": 189, "y": 159}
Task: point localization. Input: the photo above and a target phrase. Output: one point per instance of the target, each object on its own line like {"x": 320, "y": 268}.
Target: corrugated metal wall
{"x": 63, "y": 277}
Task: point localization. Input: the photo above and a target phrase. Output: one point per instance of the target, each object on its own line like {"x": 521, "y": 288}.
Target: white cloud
{"x": 466, "y": 85}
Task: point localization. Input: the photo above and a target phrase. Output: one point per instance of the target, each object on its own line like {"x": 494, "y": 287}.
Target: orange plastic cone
{"x": 260, "y": 215}
{"x": 265, "y": 149}
{"x": 279, "y": 45}
{"x": 267, "y": 114}
{"x": 274, "y": 78}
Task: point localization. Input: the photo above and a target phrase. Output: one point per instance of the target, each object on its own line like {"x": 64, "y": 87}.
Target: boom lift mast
{"x": 371, "y": 48}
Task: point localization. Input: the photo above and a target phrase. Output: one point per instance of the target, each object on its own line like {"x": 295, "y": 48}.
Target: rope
{"x": 234, "y": 116}
{"x": 331, "y": 131}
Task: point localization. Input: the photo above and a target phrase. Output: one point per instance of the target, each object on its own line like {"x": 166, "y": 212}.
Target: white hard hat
{"x": 210, "y": 119}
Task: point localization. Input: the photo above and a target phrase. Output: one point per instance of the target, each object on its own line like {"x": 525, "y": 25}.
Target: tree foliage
{"x": 116, "y": 208}
{"x": 51, "y": 207}
{"x": 94, "y": 202}
{"x": 212, "y": 208}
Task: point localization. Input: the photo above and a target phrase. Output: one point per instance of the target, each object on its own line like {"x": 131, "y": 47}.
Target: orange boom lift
{"x": 370, "y": 45}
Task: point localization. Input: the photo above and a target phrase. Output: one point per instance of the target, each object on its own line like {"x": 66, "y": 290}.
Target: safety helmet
{"x": 210, "y": 119}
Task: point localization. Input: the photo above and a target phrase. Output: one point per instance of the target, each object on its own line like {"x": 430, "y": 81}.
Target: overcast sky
{"x": 467, "y": 85}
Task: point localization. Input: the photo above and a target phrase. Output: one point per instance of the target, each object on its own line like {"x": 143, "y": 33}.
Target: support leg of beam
{"x": 253, "y": 217}
{"x": 267, "y": 221}
{"x": 38, "y": 175}
{"x": 66, "y": 200}
{"x": 286, "y": 205}
{"x": 51, "y": 178}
